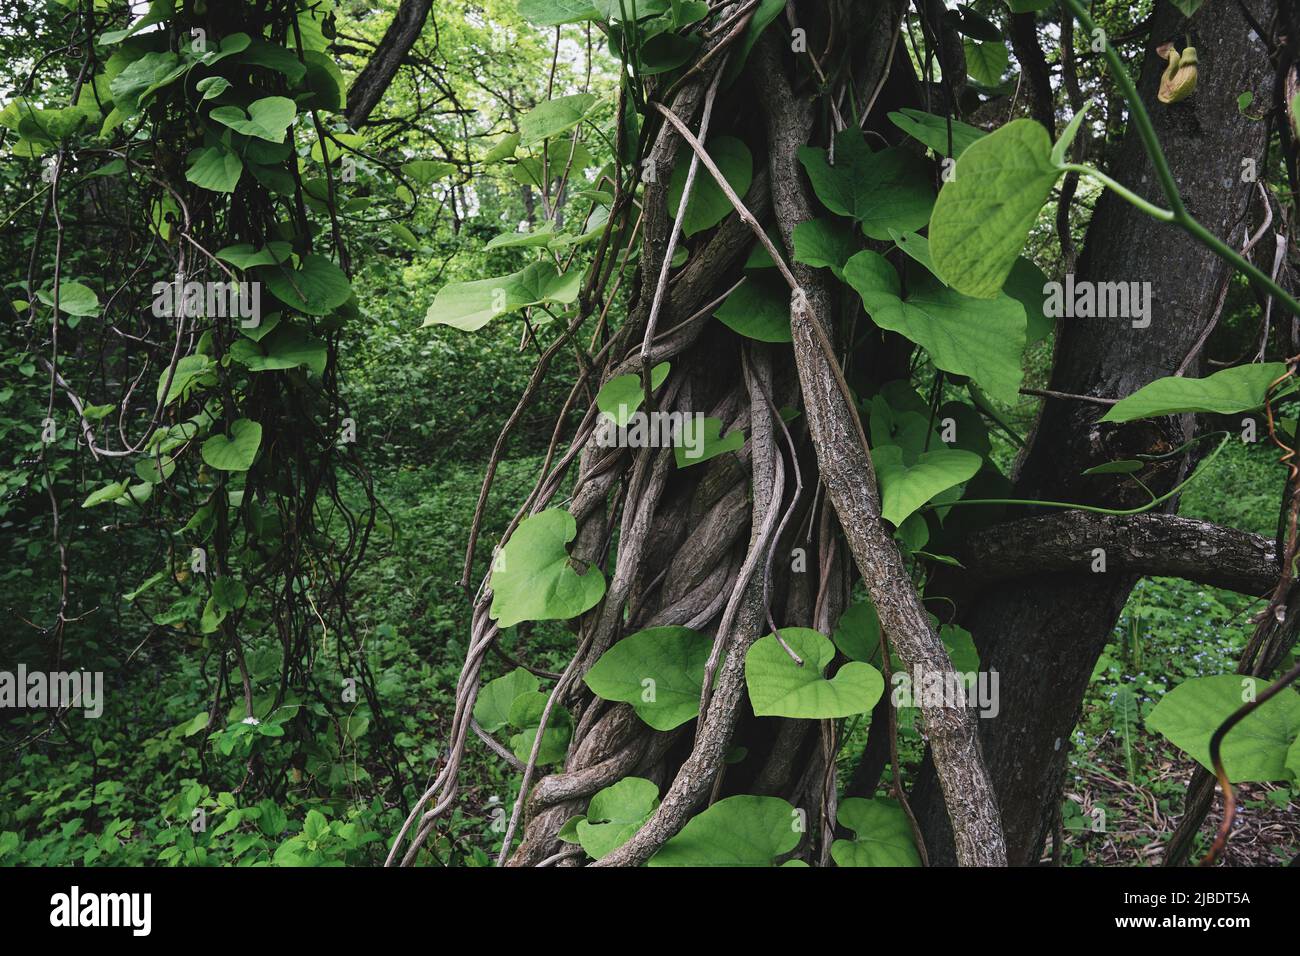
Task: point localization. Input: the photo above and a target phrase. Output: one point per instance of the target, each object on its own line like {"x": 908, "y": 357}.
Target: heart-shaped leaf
{"x": 615, "y": 814}
{"x": 316, "y": 287}
{"x": 702, "y": 440}
{"x": 526, "y": 715}
{"x": 552, "y": 117}
{"x": 933, "y": 131}
{"x": 825, "y": 244}
{"x": 492, "y": 709}
{"x": 236, "y": 452}
{"x": 1240, "y": 389}
{"x": 857, "y": 634}
{"x": 659, "y": 671}
{"x": 74, "y": 299}
{"x": 216, "y": 168}
{"x": 984, "y": 213}
{"x": 779, "y": 687}
{"x": 882, "y": 834}
{"x": 980, "y": 338}
{"x": 533, "y": 578}
{"x": 905, "y": 488}
{"x": 471, "y": 305}
{"x": 1256, "y": 749}
{"x": 267, "y": 118}
{"x": 737, "y": 831}
{"x": 622, "y": 395}
{"x": 759, "y": 309}
{"x": 708, "y": 204}
{"x": 885, "y": 190}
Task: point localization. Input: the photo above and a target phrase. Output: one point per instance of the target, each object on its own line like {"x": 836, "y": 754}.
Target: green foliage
{"x": 882, "y": 834}
{"x": 880, "y": 190}
{"x": 781, "y": 687}
{"x": 621, "y": 396}
{"x": 1240, "y": 389}
{"x": 1261, "y": 747}
{"x": 614, "y": 815}
{"x": 980, "y": 338}
{"x": 904, "y": 488}
{"x": 708, "y": 205}
{"x": 659, "y": 671}
{"x": 983, "y": 215}
{"x": 533, "y": 578}
{"x": 736, "y": 831}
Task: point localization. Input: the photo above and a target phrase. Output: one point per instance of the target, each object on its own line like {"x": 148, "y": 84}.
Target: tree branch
{"x": 372, "y": 82}
{"x": 1157, "y": 545}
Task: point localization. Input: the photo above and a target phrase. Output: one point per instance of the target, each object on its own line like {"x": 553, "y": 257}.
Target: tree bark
{"x": 1153, "y": 545}
{"x": 372, "y": 82}
{"x": 1043, "y": 634}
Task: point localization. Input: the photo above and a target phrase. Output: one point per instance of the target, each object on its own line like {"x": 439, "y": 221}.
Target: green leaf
{"x": 885, "y": 190}
{"x": 984, "y": 213}
{"x": 492, "y": 709}
{"x": 882, "y": 834}
{"x": 621, "y": 396}
{"x": 229, "y": 594}
{"x": 659, "y": 671}
{"x": 692, "y": 449}
{"x": 615, "y": 814}
{"x": 903, "y": 488}
{"x": 779, "y": 687}
{"x": 504, "y": 149}
{"x": 510, "y": 240}
{"x": 961, "y": 648}
{"x": 267, "y": 118}
{"x": 553, "y": 13}
{"x": 471, "y": 305}
{"x": 526, "y": 715}
{"x": 217, "y": 168}
{"x": 1067, "y": 137}
{"x": 191, "y": 370}
{"x": 1025, "y": 284}
{"x": 244, "y": 256}
{"x": 142, "y": 77}
{"x": 759, "y": 309}
{"x": 334, "y": 145}
{"x": 287, "y": 346}
{"x": 1239, "y": 389}
{"x": 316, "y": 287}
{"x": 737, "y": 831}
{"x": 552, "y": 117}
{"x": 533, "y": 578}
{"x": 933, "y": 131}
{"x": 979, "y": 338}
{"x": 234, "y": 453}
{"x": 110, "y": 492}
{"x": 74, "y": 299}
{"x": 275, "y": 57}
{"x": 857, "y": 634}
{"x": 824, "y": 244}
{"x": 159, "y": 11}
{"x": 1188, "y": 6}
{"x": 1256, "y": 749}
{"x": 986, "y": 62}
{"x": 708, "y": 204}
{"x": 425, "y": 171}
{"x": 211, "y": 87}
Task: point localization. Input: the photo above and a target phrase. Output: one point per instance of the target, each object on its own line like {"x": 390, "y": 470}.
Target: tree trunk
{"x": 1043, "y": 634}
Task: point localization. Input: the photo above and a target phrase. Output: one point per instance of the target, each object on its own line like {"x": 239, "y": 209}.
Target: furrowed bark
{"x": 372, "y": 82}
{"x": 847, "y": 473}
{"x": 1153, "y": 545}
{"x": 1043, "y": 634}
